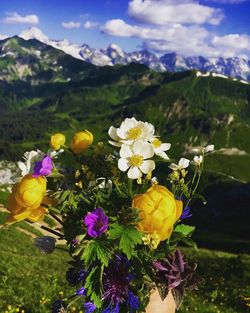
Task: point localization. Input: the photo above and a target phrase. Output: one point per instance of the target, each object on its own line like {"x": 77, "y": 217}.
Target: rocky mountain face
{"x": 235, "y": 67}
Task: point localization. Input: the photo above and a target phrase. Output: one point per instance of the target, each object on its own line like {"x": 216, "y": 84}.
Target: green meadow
{"x": 30, "y": 281}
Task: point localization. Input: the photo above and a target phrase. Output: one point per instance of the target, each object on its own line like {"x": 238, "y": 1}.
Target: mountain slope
{"x": 236, "y": 67}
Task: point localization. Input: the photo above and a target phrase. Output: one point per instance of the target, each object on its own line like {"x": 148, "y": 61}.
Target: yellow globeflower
{"x": 26, "y": 198}
{"x": 57, "y": 140}
{"x": 30, "y": 191}
{"x": 159, "y": 211}
{"x": 81, "y": 141}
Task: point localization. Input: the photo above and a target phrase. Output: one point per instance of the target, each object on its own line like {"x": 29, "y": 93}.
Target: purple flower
{"x": 96, "y": 222}
{"x": 44, "y": 167}
{"x": 81, "y": 291}
{"x": 174, "y": 273}
{"x": 75, "y": 276}
{"x": 186, "y": 213}
{"x": 116, "y": 284}
{"x": 89, "y": 307}
{"x": 133, "y": 302}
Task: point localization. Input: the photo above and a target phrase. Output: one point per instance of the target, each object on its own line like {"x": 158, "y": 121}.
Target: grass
{"x": 30, "y": 281}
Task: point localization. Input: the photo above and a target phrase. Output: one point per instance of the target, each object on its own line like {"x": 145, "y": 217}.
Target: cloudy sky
{"x": 189, "y": 27}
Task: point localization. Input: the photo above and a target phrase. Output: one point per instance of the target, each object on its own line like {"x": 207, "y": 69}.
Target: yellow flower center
{"x": 134, "y": 133}
{"x": 136, "y": 160}
{"x": 156, "y": 143}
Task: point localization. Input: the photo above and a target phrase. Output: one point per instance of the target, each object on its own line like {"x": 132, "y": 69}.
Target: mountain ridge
{"x": 235, "y": 67}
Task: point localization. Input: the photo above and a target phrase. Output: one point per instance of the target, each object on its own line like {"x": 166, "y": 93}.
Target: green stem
{"x": 61, "y": 236}
{"x": 56, "y": 218}
{"x": 130, "y": 186}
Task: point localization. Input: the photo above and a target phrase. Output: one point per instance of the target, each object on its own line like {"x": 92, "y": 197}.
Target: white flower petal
{"x": 115, "y": 143}
{"x": 165, "y": 146}
{"x": 161, "y": 154}
{"x": 174, "y": 166}
{"x": 123, "y": 164}
{"x": 183, "y": 163}
{"x": 113, "y": 133}
{"x": 134, "y": 173}
{"x": 121, "y": 133}
{"x": 209, "y": 148}
{"x": 126, "y": 151}
{"x": 144, "y": 148}
{"x": 147, "y": 166}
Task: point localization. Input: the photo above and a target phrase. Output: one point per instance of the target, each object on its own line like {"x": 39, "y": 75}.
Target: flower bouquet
{"x": 122, "y": 226}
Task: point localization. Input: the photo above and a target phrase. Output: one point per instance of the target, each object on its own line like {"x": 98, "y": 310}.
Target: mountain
{"x": 235, "y": 67}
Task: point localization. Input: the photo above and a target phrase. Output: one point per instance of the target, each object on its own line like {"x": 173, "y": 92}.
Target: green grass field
{"x": 30, "y": 281}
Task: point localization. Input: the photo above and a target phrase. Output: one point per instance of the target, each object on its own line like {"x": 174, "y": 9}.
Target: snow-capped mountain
{"x": 235, "y": 67}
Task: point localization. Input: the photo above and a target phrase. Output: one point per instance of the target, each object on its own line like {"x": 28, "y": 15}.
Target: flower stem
{"x": 61, "y": 236}
{"x": 56, "y": 218}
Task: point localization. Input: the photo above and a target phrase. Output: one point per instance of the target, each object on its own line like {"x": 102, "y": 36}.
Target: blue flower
{"x": 75, "y": 276}
{"x": 81, "y": 291}
{"x": 186, "y": 213}
{"x": 132, "y": 302}
{"x": 89, "y": 307}
{"x": 111, "y": 309}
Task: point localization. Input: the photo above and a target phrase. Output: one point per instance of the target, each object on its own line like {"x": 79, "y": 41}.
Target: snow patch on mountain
{"x": 235, "y": 67}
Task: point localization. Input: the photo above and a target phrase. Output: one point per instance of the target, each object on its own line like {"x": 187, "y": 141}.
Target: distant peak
{"x": 34, "y": 33}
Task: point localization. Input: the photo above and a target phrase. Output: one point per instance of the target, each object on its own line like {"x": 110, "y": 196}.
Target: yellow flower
{"x": 159, "y": 211}
{"x": 81, "y": 141}
{"x": 25, "y": 200}
{"x": 57, "y": 140}
{"x": 30, "y": 191}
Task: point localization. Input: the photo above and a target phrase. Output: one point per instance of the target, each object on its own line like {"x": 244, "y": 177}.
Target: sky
{"x": 210, "y": 28}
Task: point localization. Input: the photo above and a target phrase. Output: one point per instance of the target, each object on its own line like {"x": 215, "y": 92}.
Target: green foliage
{"x": 128, "y": 237}
{"x": 95, "y": 249}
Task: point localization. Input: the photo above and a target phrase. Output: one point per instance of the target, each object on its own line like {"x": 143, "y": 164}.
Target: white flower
{"x": 160, "y": 148}
{"x": 206, "y": 149}
{"x": 198, "y": 160}
{"x": 103, "y": 183}
{"x": 130, "y": 131}
{"x": 54, "y": 154}
{"x": 209, "y": 148}
{"x": 134, "y": 159}
{"x": 183, "y": 163}
{"x": 30, "y": 158}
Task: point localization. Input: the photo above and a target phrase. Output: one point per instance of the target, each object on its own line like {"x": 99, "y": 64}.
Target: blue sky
{"x": 190, "y": 27}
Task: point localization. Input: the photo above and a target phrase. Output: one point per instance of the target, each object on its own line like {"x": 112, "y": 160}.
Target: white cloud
{"x": 162, "y": 12}
{"x": 2, "y": 37}
{"x": 70, "y": 25}
{"x": 90, "y": 25}
{"x": 227, "y": 1}
{"x": 233, "y": 41}
{"x": 15, "y": 18}
{"x": 188, "y": 40}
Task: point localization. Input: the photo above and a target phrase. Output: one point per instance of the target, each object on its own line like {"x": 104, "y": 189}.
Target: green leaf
{"x": 89, "y": 253}
{"x": 129, "y": 237}
{"x": 96, "y": 249}
{"x": 102, "y": 253}
{"x": 189, "y": 242}
{"x": 185, "y": 230}
{"x": 93, "y": 285}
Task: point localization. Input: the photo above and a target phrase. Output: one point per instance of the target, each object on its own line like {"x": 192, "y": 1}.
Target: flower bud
{"x": 57, "y": 140}
{"x": 81, "y": 141}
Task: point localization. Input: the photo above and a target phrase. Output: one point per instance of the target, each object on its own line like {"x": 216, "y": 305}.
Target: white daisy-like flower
{"x": 134, "y": 158}
{"x": 54, "y": 153}
{"x": 160, "y": 147}
{"x": 198, "y": 160}
{"x": 206, "y": 149}
{"x": 183, "y": 163}
{"x": 29, "y": 158}
{"x": 130, "y": 131}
